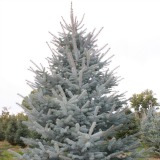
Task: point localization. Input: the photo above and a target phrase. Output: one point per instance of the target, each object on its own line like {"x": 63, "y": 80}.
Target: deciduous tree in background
{"x": 143, "y": 100}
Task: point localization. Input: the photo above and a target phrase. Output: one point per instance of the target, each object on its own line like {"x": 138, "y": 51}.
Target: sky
{"x": 131, "y": 29}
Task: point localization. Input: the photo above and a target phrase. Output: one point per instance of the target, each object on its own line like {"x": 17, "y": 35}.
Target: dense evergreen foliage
{"x": 22, "y": 131}
{"x": 75, "y": 108}
{"x": 150, "y": 127}
{"x": 12, "y": 129}
{"x": 2, "y": 134}
{"x": 133, "y": 126}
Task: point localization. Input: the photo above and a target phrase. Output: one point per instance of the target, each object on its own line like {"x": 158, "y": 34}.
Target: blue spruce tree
{"x": 74, "y": 107}
{"x": 150, "y": 127}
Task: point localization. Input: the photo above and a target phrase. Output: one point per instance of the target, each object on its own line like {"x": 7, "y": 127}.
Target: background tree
{"x": 22, "y": 131}
{"x": 11, "y": 130}
{"x": 25, "y": 101}
{"x": 131, "y": 127}
{"x": 4, "y": 120}
{"x": 2, "y": 133}
{"x": 150, "y": 127}
{"x": 143, "y": 100}
{"x": 75, "y": 108}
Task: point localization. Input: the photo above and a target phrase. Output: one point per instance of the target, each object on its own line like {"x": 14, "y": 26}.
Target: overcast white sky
{"x": 131, "y": 28}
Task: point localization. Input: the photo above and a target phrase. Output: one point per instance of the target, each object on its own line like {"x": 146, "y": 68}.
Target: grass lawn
{"x": 6, "y": 155}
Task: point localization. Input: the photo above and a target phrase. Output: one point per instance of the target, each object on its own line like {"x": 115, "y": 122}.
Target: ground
{"x": 6, "y": 155}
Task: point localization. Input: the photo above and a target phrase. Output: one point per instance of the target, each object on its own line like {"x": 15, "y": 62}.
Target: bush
{"x": 21, "y": 132}
{"x": 11, "y": 130}
{"x": 131, "y": 127}
{"x": 2, "y": 134}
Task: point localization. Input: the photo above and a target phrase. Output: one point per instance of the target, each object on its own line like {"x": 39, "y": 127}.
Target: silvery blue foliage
{"x": 150, "y": 127}
{"x": 74, "y": 106}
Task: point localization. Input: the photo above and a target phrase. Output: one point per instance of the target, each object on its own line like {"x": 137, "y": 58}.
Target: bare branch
{"x": 80, "y": 27}
{"x": 81, "y": 21}
{"x": 114, "y": 70}
{"x": 36, "y": 65}
{"x": 104, "y": 54}
{"x": 51, "y": 50}
{"x": 63, "y": 29}
{"x": 32, "y": 85}
{"x": 83, "y": 31}
{"x": 97, "y": 34}
{"x": 53, "y": 35}
{"x": 101, "y": 48}
{"x": 93, "y": 31}
{"x": 43, "y": 68}
{"x": 67, "y": 27}
{"x": 55, "y": 44}
{"x": 109, "y": 58}
{"x": 32, "y": 70}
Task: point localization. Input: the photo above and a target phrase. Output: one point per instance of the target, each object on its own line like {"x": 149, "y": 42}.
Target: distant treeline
{"x": 12, "y": 128}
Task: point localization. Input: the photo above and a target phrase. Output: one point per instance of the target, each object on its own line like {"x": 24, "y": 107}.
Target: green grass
{"x": 151, "y": 156}
{"x": 5, "y": 154}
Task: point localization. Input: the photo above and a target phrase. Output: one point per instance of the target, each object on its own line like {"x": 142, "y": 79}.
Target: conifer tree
{"x": 2, "y": 133}
{"x": 11, "y": 130}
{"x": 75, "y": 108}
{"x": 22, "y": 131}
{"x": 150, "y": 127}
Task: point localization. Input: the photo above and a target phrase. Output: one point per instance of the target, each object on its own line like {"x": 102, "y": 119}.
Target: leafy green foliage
{"x": 144, "y": 100}
{"x": 12, "y": 129}
{"x": 4, "y": 119}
